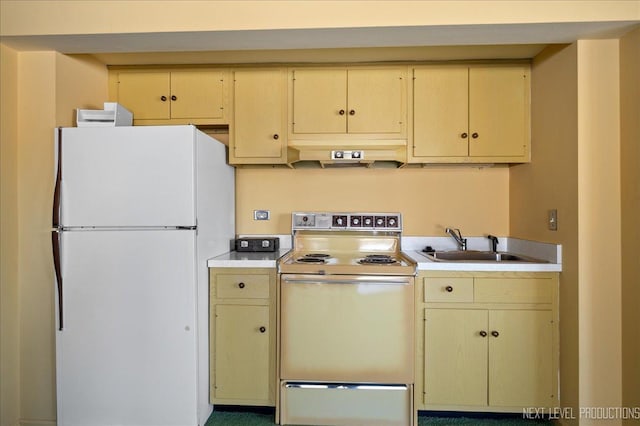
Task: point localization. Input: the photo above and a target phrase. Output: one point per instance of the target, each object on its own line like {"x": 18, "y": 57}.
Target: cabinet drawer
{"x": 242, "y": 286}
{"x": 454, "y": 289}
{"x": 513, "y": 290}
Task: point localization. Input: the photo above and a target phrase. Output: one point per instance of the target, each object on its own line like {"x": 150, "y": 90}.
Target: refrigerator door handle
{"x": 56, "y": 192}
{"x": 55, "y": 242}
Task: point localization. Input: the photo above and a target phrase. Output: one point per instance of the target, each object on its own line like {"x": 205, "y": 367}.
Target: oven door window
{"x": 347, "y": 328}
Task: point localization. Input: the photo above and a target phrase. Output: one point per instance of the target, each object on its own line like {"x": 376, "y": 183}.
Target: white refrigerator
{"x": 137, "y": 212}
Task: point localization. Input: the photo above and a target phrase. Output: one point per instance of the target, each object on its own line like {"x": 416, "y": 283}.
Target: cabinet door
{"x": 375, "y": 101}
{"x": 440, "y": 112}
{"x": 455, "y": 363}
{"x": 259, "y": 114}
{"x": 142, "y": 93}
{"x": 521, "y": 358}
{"x": 241, "y": 352}
{"x": 498, "y": 111}
{"x": 197, "y": 94}
{"x": 319, "y": 101}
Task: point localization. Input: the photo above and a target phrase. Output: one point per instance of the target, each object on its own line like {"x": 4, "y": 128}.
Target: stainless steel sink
{"x": 479, "y": 256}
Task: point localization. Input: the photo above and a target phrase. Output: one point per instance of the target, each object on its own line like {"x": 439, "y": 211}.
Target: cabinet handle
{"x": 474, "y": 135}
{"x": 163, "y": 98}
{"x": 352, "y": 112}
{"x": 495, "y": 333}
{"x": 341, "y": 112}
{"x": 263, "y": 329}
{"x": 174, "y": 98}
{"x": 276, "y": 137}
{"x": 241, "y": 285}
{"x": 464, "y": 136}
{"x": 483, "y": 333}
{"x": 449, "y": 288}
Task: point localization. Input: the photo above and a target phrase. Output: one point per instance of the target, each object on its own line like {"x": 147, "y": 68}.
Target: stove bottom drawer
{"x": 346, "y": 405}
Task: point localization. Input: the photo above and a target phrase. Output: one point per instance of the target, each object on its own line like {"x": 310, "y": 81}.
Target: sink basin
{"x": 479, "y": 256}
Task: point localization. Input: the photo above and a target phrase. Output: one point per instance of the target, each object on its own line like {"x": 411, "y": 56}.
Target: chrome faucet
{"x": 456, "y": 235}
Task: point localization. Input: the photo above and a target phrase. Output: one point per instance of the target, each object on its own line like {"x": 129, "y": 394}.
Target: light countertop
{"x": 236, "y": 259}
{"x": 550, "y": 254}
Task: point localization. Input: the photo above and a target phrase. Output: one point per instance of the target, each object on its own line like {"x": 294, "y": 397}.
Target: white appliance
{"x": 137, "y": 213}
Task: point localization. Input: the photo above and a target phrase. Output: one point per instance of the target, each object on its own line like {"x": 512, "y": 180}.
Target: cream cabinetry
{"x": 489, "y": 341}
{"x": 348, "y": 103}
{"x": 157, "y": 96}
{"x": 259, "y": 131}
{"x": 476, "y": 114}
{"x": 242, "y": 336}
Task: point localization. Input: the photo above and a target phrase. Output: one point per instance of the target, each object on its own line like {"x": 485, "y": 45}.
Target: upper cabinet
{"x": 258, "y": 134}
{"x": 348, "y": 103}
{"x": 475, "y": 114}
{"x": 195, "y": 96}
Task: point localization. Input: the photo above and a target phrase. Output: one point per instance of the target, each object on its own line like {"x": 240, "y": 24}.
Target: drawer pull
{"x": 449, "y": 289}
{"x": 483, "y": 333}
{"x": 163, "y": 98}
{"x": 241, "y": 285}
{"x": 263, "y": 329}
{"x": 495, "y": 333}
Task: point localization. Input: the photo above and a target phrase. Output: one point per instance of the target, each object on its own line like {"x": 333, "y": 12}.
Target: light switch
{"x": 553, "y": 220}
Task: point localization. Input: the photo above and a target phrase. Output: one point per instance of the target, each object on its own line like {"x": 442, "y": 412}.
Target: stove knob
{"x": 379, "y": 221}
{"x": 305, "y": 218}
{"x": 339, "y": 154}
{"x": 367, "y": 221}
{"x": 392, "y": 222}
{"x": 355, "y": 221}
{"x": 339, "y": 221}
{"x": 355, "y": 154}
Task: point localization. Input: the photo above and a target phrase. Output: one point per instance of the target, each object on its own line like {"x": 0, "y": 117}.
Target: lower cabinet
{"x": 242, "y": 336}
{"x": 489, "y": 341}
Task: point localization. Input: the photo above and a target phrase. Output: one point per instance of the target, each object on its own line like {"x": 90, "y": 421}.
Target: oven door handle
{"x": 344, "y": 281}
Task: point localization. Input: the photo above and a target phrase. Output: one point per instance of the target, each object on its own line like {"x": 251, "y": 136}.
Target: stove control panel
{"x": 346, "y": 221}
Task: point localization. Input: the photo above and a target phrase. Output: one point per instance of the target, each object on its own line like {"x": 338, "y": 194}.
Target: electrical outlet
{"x": 552, "y": 220}
{"x": 261, "y": 215}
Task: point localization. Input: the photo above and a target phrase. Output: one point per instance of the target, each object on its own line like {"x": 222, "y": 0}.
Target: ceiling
{"x": 354, "y": 44}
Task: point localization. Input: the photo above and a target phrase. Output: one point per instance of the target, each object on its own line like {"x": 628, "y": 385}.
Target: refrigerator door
{"x": 127, "y": 176}
{"x": 127, "y": 352}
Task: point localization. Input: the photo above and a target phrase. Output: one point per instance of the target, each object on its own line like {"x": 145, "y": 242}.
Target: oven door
{"x": 346, "y": 328}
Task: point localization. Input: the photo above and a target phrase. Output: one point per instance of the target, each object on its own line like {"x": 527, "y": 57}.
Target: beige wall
{"x": 68, "y": 17}
{"x": 9, "y": 288}
{"x": 49, "y": 87}
{"x": 630, "y": 189}
{"x": 576, "y": 169}
{"x": 551, "y": 182}
{"x": 599, "y": 232}
{"x": 475, "y": 200}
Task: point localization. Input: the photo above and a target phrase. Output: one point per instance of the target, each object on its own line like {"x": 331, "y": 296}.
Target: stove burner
{"x": 317, "y": 258}
{"x": 378, "y": 259}
{"x": 309, "y": 260}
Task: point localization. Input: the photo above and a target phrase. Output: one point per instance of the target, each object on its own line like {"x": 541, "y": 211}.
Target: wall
{"x": 551, "y": 181}
{"x": 64, "y": 17}
{"x": 473, "y": 199}
{"x": 50, "y": 86}
{"x": 599, "y": 221}
{"x": 9, "y": 289}
{"x": 630, "y": 189}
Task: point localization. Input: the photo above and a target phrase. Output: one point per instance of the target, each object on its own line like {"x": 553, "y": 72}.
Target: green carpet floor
{"x": 239, "y": 418}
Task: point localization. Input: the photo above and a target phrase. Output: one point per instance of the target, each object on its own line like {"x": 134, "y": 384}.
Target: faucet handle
{"x": 494, "y": 243}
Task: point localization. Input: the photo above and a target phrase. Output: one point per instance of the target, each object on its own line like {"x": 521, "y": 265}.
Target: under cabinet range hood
{"x": 388, "y": 153}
